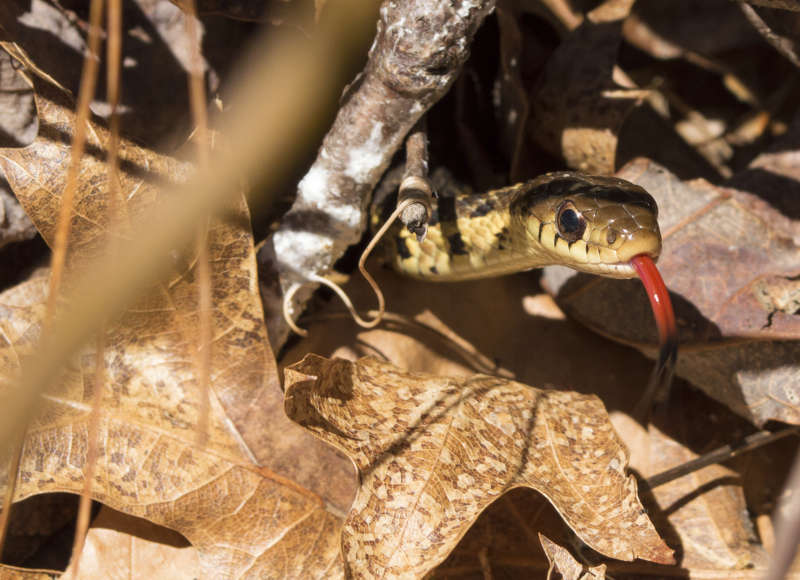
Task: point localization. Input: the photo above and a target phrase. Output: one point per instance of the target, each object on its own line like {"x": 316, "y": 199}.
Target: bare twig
{"x": 113, "y": 65}
{"x": 415, "y": 186}
{"x": 85, "y": 96}
{"x": 197, "y": 101}
{"x": 793, "y": 5}
{"x": 419, "y": 48}
{"x": 786, "y": 46}
{"x": 723, "y": 453}
{"x": 85, "y": 505}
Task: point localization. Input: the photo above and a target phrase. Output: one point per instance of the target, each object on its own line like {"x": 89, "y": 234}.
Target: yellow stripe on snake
{"x": 589, "y": 223}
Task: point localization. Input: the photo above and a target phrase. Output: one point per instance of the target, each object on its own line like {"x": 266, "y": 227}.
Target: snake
{"x": 600, "y": 225}
{"x": 593, "y": 224}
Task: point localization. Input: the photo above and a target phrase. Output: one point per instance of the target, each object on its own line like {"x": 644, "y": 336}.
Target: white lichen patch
{"x": 365, "y": 158}
{"x": 293, "y": 247}
{"x": 314, "y": 187}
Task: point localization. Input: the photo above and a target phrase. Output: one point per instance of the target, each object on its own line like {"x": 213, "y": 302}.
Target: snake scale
{"x": 589, "y": 223}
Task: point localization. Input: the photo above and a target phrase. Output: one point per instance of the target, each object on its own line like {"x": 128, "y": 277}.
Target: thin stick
{"x": 197, "y": 101}
{"x": 415, "y": 186}
{"x": 113, "y": 65}
{"x": 16, "y": 447}
{"x": 85, "y": 505}
{"x": 723, "y": 453}
{"x": 85, "y": 95}
{"x": 782, "y": 44}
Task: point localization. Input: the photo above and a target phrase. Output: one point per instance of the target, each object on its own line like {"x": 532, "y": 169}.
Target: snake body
{"x": 589, "y": 223}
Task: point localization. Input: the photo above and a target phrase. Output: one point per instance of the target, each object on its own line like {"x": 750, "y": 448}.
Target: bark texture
{"x": 419, "y": 49}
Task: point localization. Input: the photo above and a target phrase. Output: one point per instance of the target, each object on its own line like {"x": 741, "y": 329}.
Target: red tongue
{"x": 661, "y": 377}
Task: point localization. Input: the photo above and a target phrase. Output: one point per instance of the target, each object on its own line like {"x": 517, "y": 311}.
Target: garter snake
{"x": 599, "y": 225}
{"x": 589, "y": 223}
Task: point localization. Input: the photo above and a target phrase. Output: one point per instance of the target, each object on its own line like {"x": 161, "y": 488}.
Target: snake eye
{"x": 571, "y": 224}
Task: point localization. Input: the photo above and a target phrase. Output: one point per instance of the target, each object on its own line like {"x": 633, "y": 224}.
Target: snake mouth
{"x": 615, "y": 270}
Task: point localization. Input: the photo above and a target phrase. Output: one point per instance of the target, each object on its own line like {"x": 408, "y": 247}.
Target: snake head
{"x": 592, "y": 224}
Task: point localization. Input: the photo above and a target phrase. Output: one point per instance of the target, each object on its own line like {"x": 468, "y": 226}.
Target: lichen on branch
{"x": 418, "y": 51}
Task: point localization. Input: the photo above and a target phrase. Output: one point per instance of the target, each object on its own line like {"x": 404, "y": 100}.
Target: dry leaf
{"x": 731, "y": 263}
{"x": 577, "y": 109}
{"x": 433, "y": 452}
{"x": 243, "y": 370}
{"x": 140, "y": 550}
{"x": 241, "y": 516}
{"x": 565, "y": 564}
{"x": 12, "y": 573}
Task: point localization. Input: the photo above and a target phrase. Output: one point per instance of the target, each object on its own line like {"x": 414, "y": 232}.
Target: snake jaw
{"x": 621, "y": 270}
{"x": 614, "y": 221}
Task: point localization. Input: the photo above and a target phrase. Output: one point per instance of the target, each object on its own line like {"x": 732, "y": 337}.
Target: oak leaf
{"x": 224, "y": 494}
{"x": 434, "y": 452}
{"x": 239, "y": 516}
{"x": 243, "y": 370}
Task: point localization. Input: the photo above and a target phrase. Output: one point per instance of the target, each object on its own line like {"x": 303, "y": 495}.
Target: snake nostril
{"x": 611, "y": 237}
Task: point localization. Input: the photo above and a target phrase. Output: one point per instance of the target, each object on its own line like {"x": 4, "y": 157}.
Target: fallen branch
{"x": 419, "y": 49}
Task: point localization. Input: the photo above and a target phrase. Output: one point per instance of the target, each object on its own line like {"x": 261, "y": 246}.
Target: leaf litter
{"x": 434, "y": 452}
{"x": 505, "y": 341}
{"x": 149, "y": 464}
{"x": 737, "y": 327}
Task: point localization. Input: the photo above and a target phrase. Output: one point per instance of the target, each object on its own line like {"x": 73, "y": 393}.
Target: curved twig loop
{"x": 315, "y": 279}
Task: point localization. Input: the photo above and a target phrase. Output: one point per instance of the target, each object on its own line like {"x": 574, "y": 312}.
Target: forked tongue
{"x": 661, "y": 377}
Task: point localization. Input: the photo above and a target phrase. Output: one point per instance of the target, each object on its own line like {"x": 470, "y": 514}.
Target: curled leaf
{"x": 434, "y": 452}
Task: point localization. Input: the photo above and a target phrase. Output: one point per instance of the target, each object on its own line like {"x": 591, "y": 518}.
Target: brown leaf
{"x": 140, "y": 548}
{"x": 12, "y": 573}
{"x": 731, "y": 263}
{"x": 243, "y": 371}
{"x": 703, "y": 516}
{"x": 225, "y": 496}
{"x": 433, "y": 452}
{"x": 565, "y": 564}
{"x": 240, "y": 517}
{"x": 704, "y": 512}
{"x": 579, "y": 105}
